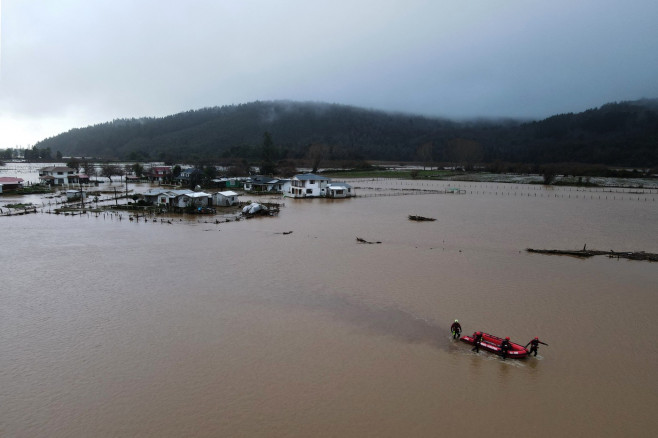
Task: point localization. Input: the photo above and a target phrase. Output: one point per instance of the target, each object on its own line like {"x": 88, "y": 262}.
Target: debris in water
{"x": 360, "y": 240}
{"x": 585, "y": 253}
{"x": 420, "y": 218}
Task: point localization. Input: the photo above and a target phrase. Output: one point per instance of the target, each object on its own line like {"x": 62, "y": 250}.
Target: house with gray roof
{"x": 260, "y": 183}
{"x": 58, "y": 175}
{"x": 340, "y": 190}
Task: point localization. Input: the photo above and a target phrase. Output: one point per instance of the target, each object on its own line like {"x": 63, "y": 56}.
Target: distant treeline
{"x": 616, "y": 134}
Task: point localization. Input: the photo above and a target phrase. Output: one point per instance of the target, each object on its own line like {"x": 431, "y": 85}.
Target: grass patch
{"x": 30, "y": 205}
{"x": 398, "y": 173}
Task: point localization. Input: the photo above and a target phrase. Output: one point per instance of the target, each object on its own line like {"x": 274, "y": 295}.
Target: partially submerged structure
{"x": 225, "y": 199}
{"x": 264, "y": 184}
{"x": 189, "y": 198}
{"x": 58, "y": 175}
{"x": 9, "y": 184}
{"x": 309, "y": 185}
{"x": 339, "y": 190}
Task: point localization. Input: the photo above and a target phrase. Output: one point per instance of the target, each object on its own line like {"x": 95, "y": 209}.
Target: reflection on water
{"x": 118, "y": 328}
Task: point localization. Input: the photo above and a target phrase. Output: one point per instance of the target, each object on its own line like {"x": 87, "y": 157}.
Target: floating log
{"x": 420, "y": 218}
{"x": 360, "y": 240}
{"x": 585, "y": 253}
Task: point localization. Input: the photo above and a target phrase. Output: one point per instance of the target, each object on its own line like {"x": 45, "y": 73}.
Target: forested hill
{"x": 623, "y": 133}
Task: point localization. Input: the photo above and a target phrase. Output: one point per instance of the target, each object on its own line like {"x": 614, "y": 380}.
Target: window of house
{"x": 309, "y": 191}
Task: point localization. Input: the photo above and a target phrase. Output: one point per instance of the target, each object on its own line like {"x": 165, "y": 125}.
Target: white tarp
{"x": 252, "y": 208}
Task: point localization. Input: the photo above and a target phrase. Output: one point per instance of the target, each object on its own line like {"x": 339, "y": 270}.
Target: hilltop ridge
{"x": 622, "y": 134}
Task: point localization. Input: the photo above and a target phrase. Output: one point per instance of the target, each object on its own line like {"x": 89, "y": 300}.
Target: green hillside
{"x": 624, "y": 134}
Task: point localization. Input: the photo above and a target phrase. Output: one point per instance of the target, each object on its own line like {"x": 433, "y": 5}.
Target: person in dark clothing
{"x": 477, "y": 340}
{"x": 456, "y": 329}
{"x": 504, "y": 347}
{"x": 534, "y": 346}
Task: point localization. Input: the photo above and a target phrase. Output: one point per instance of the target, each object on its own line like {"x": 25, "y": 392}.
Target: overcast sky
{"x": 72, "y": 63}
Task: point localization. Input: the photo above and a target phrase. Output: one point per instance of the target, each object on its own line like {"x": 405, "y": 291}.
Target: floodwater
{"x": 114, "y": 328}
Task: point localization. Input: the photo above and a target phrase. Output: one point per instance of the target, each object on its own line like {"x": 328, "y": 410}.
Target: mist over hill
{"x": 618, "y": 134}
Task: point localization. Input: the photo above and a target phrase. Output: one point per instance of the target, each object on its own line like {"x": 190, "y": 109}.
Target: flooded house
{"x": 176, "y": 198}
{"x": 9, "y": 184}
{"x": 339, "y": 190}
{"x": 189, "y": 198}
{"x": 260, "y": 183}
{"x": 158, "y": 196}
{"x": 307, "y": 185}
{"x": 225, "y": 198}
{"x": 58, "y": 175}
{"x": 159, "y": 173}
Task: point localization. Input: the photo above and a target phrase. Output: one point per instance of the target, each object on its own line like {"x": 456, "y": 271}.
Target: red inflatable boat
{"x": 492, "y": 343}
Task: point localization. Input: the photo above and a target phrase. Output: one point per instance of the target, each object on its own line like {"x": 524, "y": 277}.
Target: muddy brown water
{"x": 115, "y": 328}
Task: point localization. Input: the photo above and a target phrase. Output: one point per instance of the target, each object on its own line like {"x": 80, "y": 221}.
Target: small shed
{"x": 339, "y": 190}
{"x": 75, "y": 194}
{"x": 225, "y": 199}
{"x": 10, "y": 183}
{"x": 192, "y": 199}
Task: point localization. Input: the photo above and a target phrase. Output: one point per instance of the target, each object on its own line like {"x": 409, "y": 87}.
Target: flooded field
{"x": 117, "y": 328}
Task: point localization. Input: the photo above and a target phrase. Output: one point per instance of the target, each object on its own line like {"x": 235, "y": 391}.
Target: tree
{"x": 74, "y": 164}
{"x": 209, "y": 172}
{"x": 137, "y": 169}
{"x": 59, "y": 156}
{"x": 425, "y": 152}
{"x": 267, "y": 166}
{"x": 316, "y": 153}
{"x": 464, "y": 152}
{"x": 8, "y": 154}
{"x": 89, "y": 168}
{"x": 109, "y": 170}
{"x": 549, "y": 173}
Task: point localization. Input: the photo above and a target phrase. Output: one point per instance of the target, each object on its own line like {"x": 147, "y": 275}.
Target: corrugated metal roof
{"x": 309, "y": 176}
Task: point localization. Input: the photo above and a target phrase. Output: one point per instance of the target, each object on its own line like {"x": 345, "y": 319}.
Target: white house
{"x": 58, "y": 175}
{"x": 158, "y": 196}
{"x": 339, "y": 190}
{"x": 225, "y": 199}
{"x": 307, "y": 185}
{"x": 190, "y": 199}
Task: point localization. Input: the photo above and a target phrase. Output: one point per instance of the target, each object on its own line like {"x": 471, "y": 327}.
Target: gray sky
{"x": 71, "y": 63}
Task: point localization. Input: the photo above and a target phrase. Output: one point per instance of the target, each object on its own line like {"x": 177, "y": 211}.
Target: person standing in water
{"x": 456, "y": 329}
{"x": 534, "y": 346}
{"x": 477, "y": 340}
